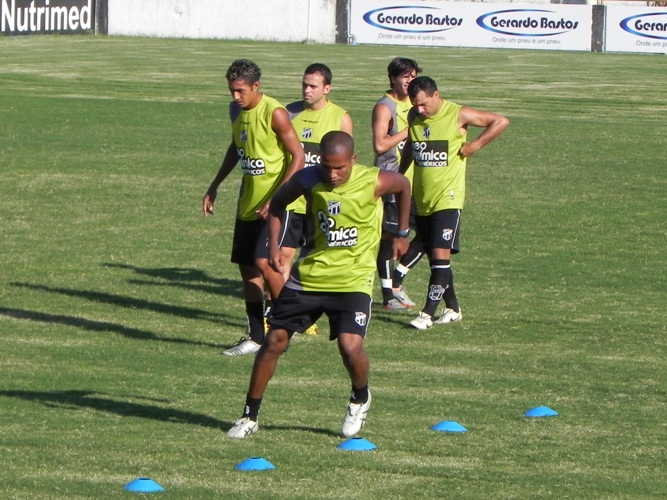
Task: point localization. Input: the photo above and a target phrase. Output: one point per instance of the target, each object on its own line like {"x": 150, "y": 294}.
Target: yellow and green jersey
{"x": 310, "y": 126}
{"x": 439, "y": 178}
{"x": 262, "y": 155}
{"x": 347, "y": 224}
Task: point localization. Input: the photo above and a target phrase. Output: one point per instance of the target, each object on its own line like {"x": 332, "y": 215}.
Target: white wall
{"x": 282, "y": 20}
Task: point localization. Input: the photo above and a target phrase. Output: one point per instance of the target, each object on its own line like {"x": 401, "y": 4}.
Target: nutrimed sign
{"x": 27, "y": 17}
{"x": 636, "y": 29}
{"x": 465, "y": 24}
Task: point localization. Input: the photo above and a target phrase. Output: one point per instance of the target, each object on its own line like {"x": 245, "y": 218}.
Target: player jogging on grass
{"x": 335, "y": 271}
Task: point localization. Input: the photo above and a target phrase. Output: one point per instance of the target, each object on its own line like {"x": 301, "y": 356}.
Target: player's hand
{"x": 277, "y": 261}
{"x": 263, "y": 212}
{"x": 468, "y": 149}
{"x": 208, "y": 203}
{"x": 400, "y": 247}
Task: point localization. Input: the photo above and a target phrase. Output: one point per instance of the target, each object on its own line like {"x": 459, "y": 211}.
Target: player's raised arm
{"x": 492, "y": 123}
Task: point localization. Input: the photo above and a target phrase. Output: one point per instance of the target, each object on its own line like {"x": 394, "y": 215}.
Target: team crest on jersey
{"x": 360, "y": 318}
{"x": 333, "y": 207}
{"x": 447, "y": 234}
{"x": 426, "y": 133}
{"x": 307, "y": 133}
{"x": 244, "y": 136}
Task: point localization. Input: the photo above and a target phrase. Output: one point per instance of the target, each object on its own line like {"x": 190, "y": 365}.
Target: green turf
{"x": 117, "y": 296}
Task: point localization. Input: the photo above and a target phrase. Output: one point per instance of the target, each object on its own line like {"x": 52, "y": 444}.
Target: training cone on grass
{"x": 540, "y": 411}
{"x": 255, "y": 463}
{"x": 449, "y": 426}
{"x": 356, "y": 444}
{"x": 143, "y": 485}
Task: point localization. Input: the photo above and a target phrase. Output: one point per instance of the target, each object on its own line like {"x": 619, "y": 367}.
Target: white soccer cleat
{"x": 243, "y": 346}
{"x": 394, "y": 305}
{"x": 422, "y": 322}
{"x": 402, "y": 297}
{"x": 243, "y": 428}
{"x": 355, "y": 418}
{"x": 449, "y": 316}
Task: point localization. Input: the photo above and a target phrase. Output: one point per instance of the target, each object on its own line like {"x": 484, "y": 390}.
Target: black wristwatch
{"x": 404, "y": 233}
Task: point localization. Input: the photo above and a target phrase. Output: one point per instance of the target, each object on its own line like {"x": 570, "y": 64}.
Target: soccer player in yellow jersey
{"x": 312, "y": 117}
{"x": 265, "y": 144}
{"x": 390, "y": 131}
{"x": 335, "y": 271}
{"x": 437, "y": 142}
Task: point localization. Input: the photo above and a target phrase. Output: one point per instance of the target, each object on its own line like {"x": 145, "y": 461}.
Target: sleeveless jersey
{"x": 439, "y": 178}
{"x": 310, "y": 126}
{"x": 347, "y": 226}
{"x": 399, "y": 117}
{"x": 262, "y": 155}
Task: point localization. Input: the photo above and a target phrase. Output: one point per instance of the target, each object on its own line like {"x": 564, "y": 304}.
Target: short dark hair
{"x": 400, "y": 65}
{"x": 243, "y": 69}
{"x": 336, "y": 142}
{"x": 422, "y": 83}
{"x": 322, "y": 69}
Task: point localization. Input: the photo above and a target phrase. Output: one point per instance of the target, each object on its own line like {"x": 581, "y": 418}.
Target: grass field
{"x": 117, "y": 296}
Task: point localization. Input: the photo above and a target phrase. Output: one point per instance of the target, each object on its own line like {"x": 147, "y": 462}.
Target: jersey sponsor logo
{"x": 360, "y": 318}
{"x": 312, "y": 152}
{"x": 447, "y": 234}
{"x": 435, "y": 292}
{"x": 431, "y": 153}
{"x": 400, "y": 146}
{"x": 250, "y": 166}
{"x": 244, "y": 136}
{"x": 307, "y": 133}
{"x": 337, "y": 236}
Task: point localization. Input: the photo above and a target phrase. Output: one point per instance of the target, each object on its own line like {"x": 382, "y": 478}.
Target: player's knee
{"x": 276, "y": 341}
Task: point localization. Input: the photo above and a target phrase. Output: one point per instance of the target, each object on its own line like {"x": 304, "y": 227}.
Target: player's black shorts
{"x": 293, "y": 230}
{"x": 295, "y": 311}
{"x": 251, "y": 239}
{"x": 390, "y": 217}
{"x": 440, "y": 230}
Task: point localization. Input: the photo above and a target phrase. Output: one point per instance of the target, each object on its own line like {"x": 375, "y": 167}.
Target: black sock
{"x": 384, "y": 265}
{"x": 450, "y": 296}
{"x": 440, "y": 273}
{"x": 251, "y": 409}
{"x": 359, "y": 396}
{"x": 408, "y": 261}
{"x": 255, "y": 312}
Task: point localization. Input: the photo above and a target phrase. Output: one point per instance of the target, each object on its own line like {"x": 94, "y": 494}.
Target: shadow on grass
{"x": 105, "y": 403}
{"x": 188, "y": 279}
{"x": 130, "y": 302}
{"x": 97, "y": 326}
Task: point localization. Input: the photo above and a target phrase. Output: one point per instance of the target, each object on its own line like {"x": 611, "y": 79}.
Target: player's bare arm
{"x": 285, "y": 195}
{"x": 492, "y": 124}
{"x": 228, "y": 163}
{"x": 382, "y": 141}
{"x": 396, "y": 184}
{"x": 346, "y": 124}
{"x": 282, "y": 126}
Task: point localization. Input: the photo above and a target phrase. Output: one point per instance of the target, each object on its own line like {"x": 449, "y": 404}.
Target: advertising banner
{"x": 636, "y": 29}
{"x": 464, "y": 24}
{"x": 29, "y": 17}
